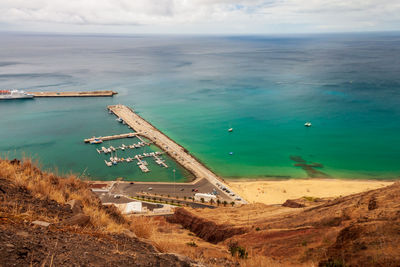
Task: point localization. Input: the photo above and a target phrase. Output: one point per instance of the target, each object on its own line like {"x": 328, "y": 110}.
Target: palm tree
{"x": 232, "y": 203}
{"x": 225, "y": 203}
{"x": 218, "y": 202}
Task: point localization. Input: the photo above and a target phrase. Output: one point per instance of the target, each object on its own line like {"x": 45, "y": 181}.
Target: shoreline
{"x": 271, "y": 192}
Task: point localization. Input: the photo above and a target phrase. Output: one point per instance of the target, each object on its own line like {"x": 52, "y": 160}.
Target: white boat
{"x": 119, "y": 120}
{"x": 230, "y": 130}
{"x": 307, "y": 124}
{"x": 109, "y": 164}
{"x": 14, "y": 94}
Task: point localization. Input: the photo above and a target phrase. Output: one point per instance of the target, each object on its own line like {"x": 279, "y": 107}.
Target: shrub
{"x": 237, "y": 250}
{"x": 192, "y": 244}
{"x": 232, "y": 203}
{"x": 202, "y": 200}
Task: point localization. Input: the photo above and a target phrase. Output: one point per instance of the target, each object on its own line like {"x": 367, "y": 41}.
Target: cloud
{"x": 227, "y": 15}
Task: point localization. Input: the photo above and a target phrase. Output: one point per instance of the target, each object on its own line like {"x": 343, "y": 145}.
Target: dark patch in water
{"x": 309, "y": 168}
{"x": 8, "y": 63}
{"x": 183, "y": 64}
{"x": 297, "y": 159}
{"x": 24, "y": 146}
{"x": 35, "y": 75}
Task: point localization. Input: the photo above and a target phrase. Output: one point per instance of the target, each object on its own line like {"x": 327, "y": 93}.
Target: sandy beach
{"x": 277, "y": 192}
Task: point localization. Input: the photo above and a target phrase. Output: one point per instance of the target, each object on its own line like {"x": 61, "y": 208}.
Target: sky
{"x": 199, "y": 16}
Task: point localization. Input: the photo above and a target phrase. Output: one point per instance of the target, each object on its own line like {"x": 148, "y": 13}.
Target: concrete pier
{"x": 111, "y": 137}
{"x": 74, "y": 94}
{"x": 177, "y": 152}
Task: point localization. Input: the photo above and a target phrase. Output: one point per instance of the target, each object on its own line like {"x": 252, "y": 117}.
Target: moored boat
{"x": 14, "y": 94}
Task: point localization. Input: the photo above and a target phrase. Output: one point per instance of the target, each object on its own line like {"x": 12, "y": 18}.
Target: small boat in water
{"x": 119, "y": 120}
{"x": 230, "y": 130}
{"x": 307, "y": 124}
{"x": 109, "y": 164}
{"x": 96, "y": 141}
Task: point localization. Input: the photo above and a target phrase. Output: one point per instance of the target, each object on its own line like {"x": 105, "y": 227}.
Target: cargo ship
{"x": 14, "y": 94}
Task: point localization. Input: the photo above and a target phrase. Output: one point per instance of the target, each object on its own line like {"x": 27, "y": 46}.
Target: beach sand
{"x": 277, "y": 192}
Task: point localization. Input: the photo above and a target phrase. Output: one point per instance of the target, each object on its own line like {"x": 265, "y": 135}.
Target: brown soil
{"x": 203, "y": 228}
{"x": 356, "y": 230}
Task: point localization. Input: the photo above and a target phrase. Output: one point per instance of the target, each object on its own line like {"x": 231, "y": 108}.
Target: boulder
{"x": 293, "y": 204}
{"x": 77, "y": 220}
{"x": 129, "y": 233}
{"x": 41, "y": 223}
{"x": 76, "y": 206}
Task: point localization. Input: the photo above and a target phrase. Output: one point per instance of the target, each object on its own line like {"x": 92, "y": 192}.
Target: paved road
{"x": 181, "y": 190}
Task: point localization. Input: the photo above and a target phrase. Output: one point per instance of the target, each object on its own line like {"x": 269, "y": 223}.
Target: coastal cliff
{"x": 41, "y": 226}
{"x": 356, "y": 230}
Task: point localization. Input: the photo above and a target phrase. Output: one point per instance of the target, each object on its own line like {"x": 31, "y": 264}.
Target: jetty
{"x": 110, "y": 149}
{"x": 74, "y": 94}
{"x": 141, "y": 163}
{"x": 174, "y": 150}
{"x": 111, "y": 137}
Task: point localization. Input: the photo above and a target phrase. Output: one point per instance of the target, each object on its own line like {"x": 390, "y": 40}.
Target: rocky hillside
{"x": 356, "y": 230}
{"x": 49, "y": 221}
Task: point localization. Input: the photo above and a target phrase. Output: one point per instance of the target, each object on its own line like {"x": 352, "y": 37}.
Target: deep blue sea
{"x": 194, "y": 88}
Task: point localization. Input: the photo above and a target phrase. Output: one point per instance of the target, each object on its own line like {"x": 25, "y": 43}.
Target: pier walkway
{"x": 177, "y": 152}
{"x": 111, "y": 137}
{"x": 74, "y": 94}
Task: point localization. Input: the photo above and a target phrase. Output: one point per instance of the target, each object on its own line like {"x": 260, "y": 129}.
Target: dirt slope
{"x": 356, "y": 230}
{"x": 65, "y": 242}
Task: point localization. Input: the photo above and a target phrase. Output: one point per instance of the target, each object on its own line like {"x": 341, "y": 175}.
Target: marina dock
{"x": 141, "y": 163}
{"x": 74, "y": 94}
{"x": 177, "y": 152}
{"x": 111, "y": 137}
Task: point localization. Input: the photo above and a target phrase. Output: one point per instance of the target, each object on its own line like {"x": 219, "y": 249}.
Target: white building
{"x": 206, "y": 197}
{"x": 128, "y": 208}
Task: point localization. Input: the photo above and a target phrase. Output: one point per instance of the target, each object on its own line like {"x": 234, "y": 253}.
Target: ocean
{"x": 194, "y": 88}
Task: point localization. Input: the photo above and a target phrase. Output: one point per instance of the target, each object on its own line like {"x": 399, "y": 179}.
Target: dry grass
{"x": 166, "y": 237}
{"x": 44, "y": 185}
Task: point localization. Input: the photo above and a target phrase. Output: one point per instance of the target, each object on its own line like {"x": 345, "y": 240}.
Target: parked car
{"x": 150, "y": 188}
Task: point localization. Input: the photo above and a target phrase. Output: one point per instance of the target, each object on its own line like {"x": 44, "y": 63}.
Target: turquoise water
{"x": 195, "y": 88}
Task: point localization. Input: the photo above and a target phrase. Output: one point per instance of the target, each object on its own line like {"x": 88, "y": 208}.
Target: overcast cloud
{"x": 200, "y": 16}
